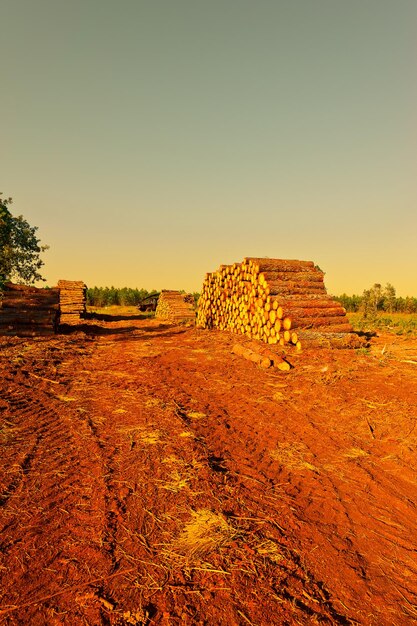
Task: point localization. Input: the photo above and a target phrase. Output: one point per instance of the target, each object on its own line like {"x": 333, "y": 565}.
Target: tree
{"x": 389, "y": 297}
{"x": 372, "y": 300}
{"x": 20, "y": 248}
{"x": 350, "y": 303}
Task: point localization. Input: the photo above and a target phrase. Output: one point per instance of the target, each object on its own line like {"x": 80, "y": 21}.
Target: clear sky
{"x": 152, "y": 140}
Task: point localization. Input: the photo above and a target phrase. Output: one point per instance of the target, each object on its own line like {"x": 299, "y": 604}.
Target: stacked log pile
{"x": 72, "y": 301}
{"x": 272, "y": 300}
{"x": 176, "y": 307}
{"x": 28, "y": 311}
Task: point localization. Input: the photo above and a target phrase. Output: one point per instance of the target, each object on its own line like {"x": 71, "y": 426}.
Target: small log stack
{"x": 176, "y": 307}
{"x": 72, "y": 301}
{"x": 28, "y": 311}
{"x": 272, "y": 300}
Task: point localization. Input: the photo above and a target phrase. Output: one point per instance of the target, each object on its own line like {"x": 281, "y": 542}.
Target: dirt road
{"x": 149, "y": 476}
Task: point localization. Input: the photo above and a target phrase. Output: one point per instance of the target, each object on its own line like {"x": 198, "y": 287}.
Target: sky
{"x": 151, "y": 141}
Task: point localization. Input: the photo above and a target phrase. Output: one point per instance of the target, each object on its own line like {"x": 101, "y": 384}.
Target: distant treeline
{"x": 378, "y": 298}
{"x": 112, "y": 296}
{"x": 375, "y": 299}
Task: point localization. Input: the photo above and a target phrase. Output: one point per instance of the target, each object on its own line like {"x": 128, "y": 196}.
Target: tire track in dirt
{"x": 217, "y": 469}
{"x": 51, "y": 517}
{"x": 163, "y": 425}
{"x": 20, "y": 466}
{"x": 373, "y": 486}
{"x": 269, "y": 506}
{"x": 161, "y": 419}
{"x": 296, "y": 580}
{"x": 362, "y": 566}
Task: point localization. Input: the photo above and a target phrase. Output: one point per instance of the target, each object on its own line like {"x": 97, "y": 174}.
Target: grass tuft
{"x": 355, "y": 453}
{"x": 196, "y": 415}
{"x": 269, "y": 550}
{"x": 204, "y": 533}
{"x": 186, "y": 434}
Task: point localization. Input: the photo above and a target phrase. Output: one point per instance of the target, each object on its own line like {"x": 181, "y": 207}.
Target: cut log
{"x": 306, "y": 301}
{"x": 275, "y": 354}
{"x": 339, "y": 340}
{"x": 250, "y": 355}
{"x": 280, "y": 286}
{"x": 334, "y": 328}
{"x": 268, "y": 265}
{"x": 310, "y": 312}
{"x": 25, "y": 305}
{"x": 317, "y": 322}
{"x": 312, "y": 276}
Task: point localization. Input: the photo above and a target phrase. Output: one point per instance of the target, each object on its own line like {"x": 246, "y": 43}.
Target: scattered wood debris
{"x": 262, "y": 356}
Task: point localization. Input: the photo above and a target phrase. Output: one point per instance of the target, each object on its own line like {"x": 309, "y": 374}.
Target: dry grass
{"x": 269, "y": 550}
{"x": 181, "y": 473}
{"x": 141, "y": 435}
{"x": 7, "y": 432}
{"x": 355, "y": 453}
{"x": 293, "y": 456}
{"x": 176, "y": 482}
{"x": 154, "y": 402}
{"x": 116, "y": 310}
{"x": 150, "y": 437}
{"x": 206, "y": 532}
{"x": 66, "y": 399}
{"x": 196, "y": 415}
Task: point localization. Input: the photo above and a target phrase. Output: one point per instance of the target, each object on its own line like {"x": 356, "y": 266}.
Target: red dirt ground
{"x": 149, "y": 476}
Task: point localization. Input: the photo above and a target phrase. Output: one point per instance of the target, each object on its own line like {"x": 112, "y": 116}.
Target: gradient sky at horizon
{"x": 152, "y": 141}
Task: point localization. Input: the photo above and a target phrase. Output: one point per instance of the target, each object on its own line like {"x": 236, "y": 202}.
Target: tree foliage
{"x": 20, "y": 248}
{"x": 125, "y": 296}
{"x": 372, "y": 300}
{"x": 378, "y": 299}
{"x": 112, "y": 296}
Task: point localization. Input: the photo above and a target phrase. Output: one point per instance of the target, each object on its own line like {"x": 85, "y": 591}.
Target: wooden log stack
{"x": 72, "y": 301}
{"x": 28, "y": 311}
{"x": 176, "y": 307}
{"x": 271, "y": 300}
